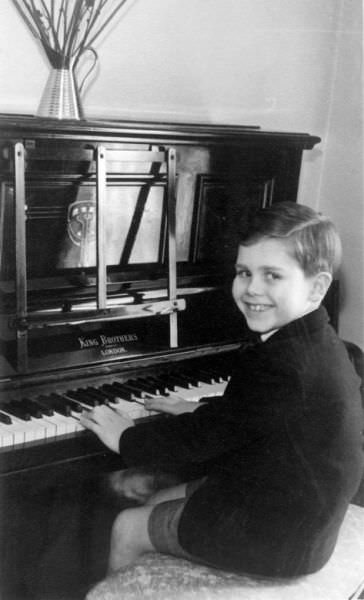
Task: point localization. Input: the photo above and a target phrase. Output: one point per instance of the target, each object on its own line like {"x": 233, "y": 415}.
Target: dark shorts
{"x": 163, "y": 523}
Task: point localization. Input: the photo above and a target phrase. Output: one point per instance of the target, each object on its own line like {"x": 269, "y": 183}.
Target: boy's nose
{"x": 255, "y": 286}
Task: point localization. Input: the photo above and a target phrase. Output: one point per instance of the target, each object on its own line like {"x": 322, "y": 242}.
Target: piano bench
{"x": 160, "y": 577}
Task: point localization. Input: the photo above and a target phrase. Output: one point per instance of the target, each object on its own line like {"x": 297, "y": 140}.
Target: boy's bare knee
{"x": 124, "y": 525}
{"x": 156, "y": 498}
{"x": 170, "y": 493}
{"x": 130, "y": 530}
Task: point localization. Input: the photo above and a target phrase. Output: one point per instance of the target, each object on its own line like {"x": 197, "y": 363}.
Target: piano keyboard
{"x": 54, "y": 415}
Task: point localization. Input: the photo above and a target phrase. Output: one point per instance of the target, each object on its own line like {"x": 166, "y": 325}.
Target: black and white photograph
{"x": 181, "y": 300}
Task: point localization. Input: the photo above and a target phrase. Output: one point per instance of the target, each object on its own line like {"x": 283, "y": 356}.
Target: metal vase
{"x": 60, "y": 99}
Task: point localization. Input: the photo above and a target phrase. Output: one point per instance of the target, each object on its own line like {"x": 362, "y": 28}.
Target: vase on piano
{"x": 66, "y": 31}
{"x": 61, "y": 96}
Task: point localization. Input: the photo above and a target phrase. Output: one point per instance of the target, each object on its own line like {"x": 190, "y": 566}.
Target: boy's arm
{"x": 249, "y": 411}
{"x": 109, "y": 423}
{"x": 247, "y": 414}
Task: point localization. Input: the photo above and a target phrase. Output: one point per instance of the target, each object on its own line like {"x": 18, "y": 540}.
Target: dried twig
{"x": 66, "y": 28}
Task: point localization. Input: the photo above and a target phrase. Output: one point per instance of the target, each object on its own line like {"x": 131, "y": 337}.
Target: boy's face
{"x": 270, "y": 288}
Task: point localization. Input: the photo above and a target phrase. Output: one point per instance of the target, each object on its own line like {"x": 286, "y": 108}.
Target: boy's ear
{"x": 321, "y": 284}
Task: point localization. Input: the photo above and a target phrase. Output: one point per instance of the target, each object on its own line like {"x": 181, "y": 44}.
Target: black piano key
{"x": 121, "y": 391}
{"x": 134, "y": 389}
{"x": 5, "y": 419}
{"x": 88, "y": 399}
{"x": 99, "y": 393}
{"x": 60, "y": 405}
{"x": 178, "y": 380}
{"x": 74, "y": 405}
{"x": 216, "y": 374}
{"x": 134, "y": 386}
{"x": 148, "y": 387}
{"x": 15, "y": 409}
{"x": 224, "y": 369}
{"x": 105, "y": 394}
{"x": 92, "y": 394}
{"x": 202, "y": 376}
{"x": 190, "y": 377}
{"x": 57, "y": 403}
{"x": 166, "y": 385}
{"x": 31, "y": 407}
{"x": 82, "y": 398}
{"x": 100, "y": 396}
{"x": 72, "y": 394}
{"x": 46, "y": 410}
{"x": 159, "y": 383}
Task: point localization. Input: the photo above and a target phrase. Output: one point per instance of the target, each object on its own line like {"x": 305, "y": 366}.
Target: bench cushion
{"x": 160, "y": 577}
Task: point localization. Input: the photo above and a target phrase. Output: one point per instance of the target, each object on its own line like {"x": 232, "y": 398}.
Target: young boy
{"x": 281, "y": 452}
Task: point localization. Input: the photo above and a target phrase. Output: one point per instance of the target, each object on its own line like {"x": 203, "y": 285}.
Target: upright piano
{"x": 117, "y": 249}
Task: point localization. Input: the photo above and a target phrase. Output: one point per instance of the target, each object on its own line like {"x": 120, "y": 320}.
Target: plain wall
{"x": 291, "y": 65}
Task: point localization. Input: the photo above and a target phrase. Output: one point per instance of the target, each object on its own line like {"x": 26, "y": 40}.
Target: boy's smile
{"x": 270, "y": 287}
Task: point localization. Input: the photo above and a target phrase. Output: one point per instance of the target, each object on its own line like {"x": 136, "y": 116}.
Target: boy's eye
{"x": 243, "y": 273}
{"x": 272, "y": 276}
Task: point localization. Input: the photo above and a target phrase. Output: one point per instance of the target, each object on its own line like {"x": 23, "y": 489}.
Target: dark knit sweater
{"x": 282, "y": 450}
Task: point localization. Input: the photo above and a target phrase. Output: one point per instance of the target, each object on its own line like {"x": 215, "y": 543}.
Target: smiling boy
{"x": 270, "y": 287}
{"x": 281, "y": 451}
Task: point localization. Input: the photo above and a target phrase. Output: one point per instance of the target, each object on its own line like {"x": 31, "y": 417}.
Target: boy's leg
{"x": 129, "y": 536}
{"x": 171, "y": 493}
{"x": 139, "y": 484}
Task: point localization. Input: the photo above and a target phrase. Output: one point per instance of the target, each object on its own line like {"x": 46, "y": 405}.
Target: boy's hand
{"x": 107, "y": 424}
{"x": 172, "y": 405}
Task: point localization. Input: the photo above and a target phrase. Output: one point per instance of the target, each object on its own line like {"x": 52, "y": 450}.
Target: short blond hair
{"x": 312, "y": 237}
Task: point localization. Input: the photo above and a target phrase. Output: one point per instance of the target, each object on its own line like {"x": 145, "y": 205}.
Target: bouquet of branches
{"x": 67, "y": 28}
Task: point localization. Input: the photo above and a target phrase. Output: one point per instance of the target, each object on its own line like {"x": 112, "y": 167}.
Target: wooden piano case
{"x": 117, "y": 245}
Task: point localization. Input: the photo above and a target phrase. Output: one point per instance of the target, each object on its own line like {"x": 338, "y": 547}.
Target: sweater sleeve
{"x": 249, "y": 410}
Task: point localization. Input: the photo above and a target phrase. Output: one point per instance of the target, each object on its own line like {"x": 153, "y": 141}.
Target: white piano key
{"x": 25, "y": 431}
{"x": 191, "y": 395}
{"x": 194, "y": 394}
{"x": 70, "y": 422}
{"x": 6, "y": 437}
{"x": 22, "y": 432}
{"x": 18, "y": 433}
{"x": 77, "y": 424}
{"x": 63, "y": 424}
{"x": 15, "y": 429}
{"x": 50, "y": 428}
{"x": 38, "y": 428}
{"x": 213, "y": 389}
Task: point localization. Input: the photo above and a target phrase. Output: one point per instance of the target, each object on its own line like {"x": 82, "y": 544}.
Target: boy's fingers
{"x": 88, "y": 422}
{"x": 106, "y": 424}
{"x": 162, "y": 400}
{"x": 100, "y": 416}
{"x": 159, "y": 404}
{"x": 97, "y": 414}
